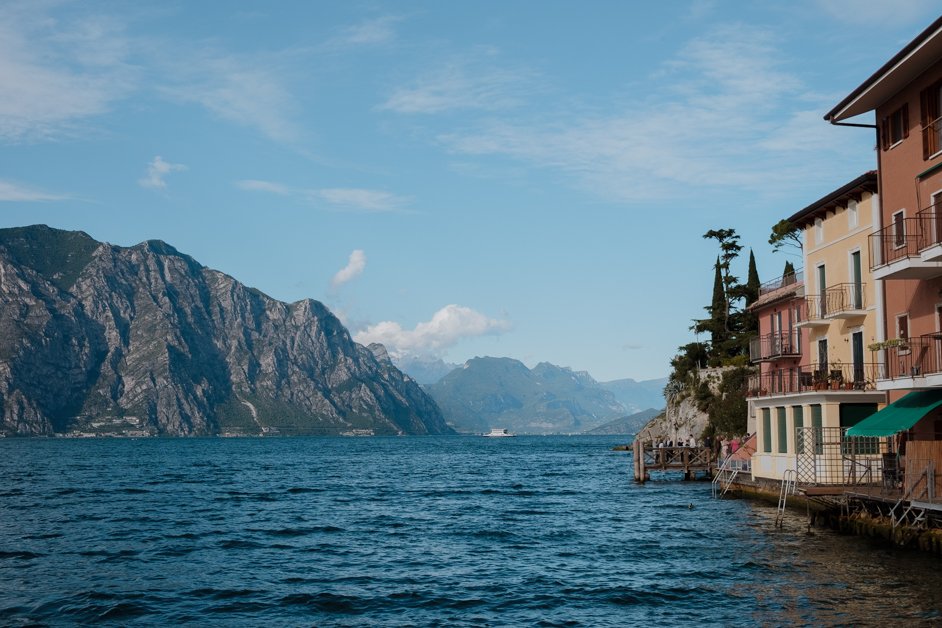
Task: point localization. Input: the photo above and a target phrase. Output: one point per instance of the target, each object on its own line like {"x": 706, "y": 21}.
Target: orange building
{"x": 905, "y": 96}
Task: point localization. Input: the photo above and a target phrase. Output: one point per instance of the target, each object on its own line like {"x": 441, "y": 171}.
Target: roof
{"x": 900, "y": 415}
{"x": 914, "y": 59}
{"x": 867, "y": 182}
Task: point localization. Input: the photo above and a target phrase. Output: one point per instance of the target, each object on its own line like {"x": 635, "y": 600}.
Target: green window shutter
{"x": 798, "y": 414}
{"x": 782, "y": 432}
{"x": 816, "y": 423}
{"x": 767, "y": 430}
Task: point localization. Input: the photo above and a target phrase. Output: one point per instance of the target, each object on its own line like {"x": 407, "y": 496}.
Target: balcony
{"x": 910, "y": 248}
{"x": 781, "y": 282}
{"x": 784, "y": 344}
{"x": 838, "y": 378}
{"x": 911, "y": 363}
{"x": 845, "y": 300}
{"x": 930, "y": 221}
{"x": 813, "y": 312}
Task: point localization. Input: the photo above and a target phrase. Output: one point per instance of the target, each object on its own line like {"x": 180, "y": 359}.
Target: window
{"x": 818, "y": 231}
{"x": 852, "y": 214}
{"x": 899, "y": 228}
{"x": 930, "y": 101}
{"x": 895, "y": 127}
{"x": 902, "y": 326}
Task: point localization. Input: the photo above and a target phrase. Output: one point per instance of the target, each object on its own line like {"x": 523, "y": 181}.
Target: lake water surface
{"x": 414, "y": 531}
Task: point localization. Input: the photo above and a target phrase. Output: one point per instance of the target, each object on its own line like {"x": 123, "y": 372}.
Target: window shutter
{"x": 885, "y": 133}
{"x": 905, "y": 117}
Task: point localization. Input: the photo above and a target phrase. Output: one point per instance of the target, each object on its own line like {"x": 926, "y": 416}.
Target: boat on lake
{"x": 499, "y": 432}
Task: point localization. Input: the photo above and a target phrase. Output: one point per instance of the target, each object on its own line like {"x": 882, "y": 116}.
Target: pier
{"x": 688, "y": 460}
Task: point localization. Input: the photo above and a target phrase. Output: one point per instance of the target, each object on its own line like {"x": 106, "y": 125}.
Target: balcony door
{"x": 857, "y": 287}
{"x": 857, "y": 350}
{"x": 823, "y": 356}
{"x": 822, "y": 292}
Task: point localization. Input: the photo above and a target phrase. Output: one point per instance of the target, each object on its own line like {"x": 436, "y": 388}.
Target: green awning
{"x": 900, "y": 415}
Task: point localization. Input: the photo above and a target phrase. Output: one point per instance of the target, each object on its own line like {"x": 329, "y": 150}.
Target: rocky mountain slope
{"x": 626, "y": 424}
{"x": 683, "y": 417}
{"x": 502, "y": 392}
{"x": 143, "y": 339}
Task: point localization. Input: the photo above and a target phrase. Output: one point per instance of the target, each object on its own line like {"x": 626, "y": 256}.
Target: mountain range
{"x": 489, "y": 392}
{"x": 97, "y": 338}
{"x": 631, "y": 424}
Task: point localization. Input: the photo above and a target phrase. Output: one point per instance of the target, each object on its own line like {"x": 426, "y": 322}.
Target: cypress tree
{"x": 752, "y": 281}
{"x": 718, "y": 322}
{"x": 788, "y": 272}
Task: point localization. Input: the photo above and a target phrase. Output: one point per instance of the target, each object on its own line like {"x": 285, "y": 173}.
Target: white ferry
{"x": 499, "y": 432}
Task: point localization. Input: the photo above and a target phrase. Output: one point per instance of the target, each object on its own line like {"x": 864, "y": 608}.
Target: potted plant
{"x": 836, "y": 376}
{"x": 819, "y": 380}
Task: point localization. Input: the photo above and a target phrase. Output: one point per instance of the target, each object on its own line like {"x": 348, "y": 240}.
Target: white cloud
{"x": 243, "y": 90}
{"x": 447, "y": 327}
{"x": 157, "y": 171}
{"x": 360, "y": 199}
{"x": 716, "y": 122}
{"x": 374, "y": 32}
{"x": 55, "y": 74}
{"x": 254, "y": 185}
{"x": 478, "y": 81}
{"x": 354, "y": 268}
{"x": 10, "y": 191}
{"x": 339, "y": 199}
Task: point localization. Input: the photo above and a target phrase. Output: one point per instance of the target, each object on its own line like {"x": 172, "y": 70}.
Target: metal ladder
{"x": 788, "y": 486}
{"x": 724, "y": 478}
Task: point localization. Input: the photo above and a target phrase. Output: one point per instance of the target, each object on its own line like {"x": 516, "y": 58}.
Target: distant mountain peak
{"x": 146, "y": 340}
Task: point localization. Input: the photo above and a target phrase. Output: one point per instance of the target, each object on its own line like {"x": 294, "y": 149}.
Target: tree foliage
{"x": 785, "y": 234}
{"x": 729, "y": 324}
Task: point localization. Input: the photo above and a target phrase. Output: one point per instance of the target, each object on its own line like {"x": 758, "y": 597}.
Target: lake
{"x": 418, "y": 531}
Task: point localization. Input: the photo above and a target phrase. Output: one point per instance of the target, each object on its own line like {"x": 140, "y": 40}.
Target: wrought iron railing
{"x": 911, "y": 357}
{"x": 780, "y": 282}
{"x": 775, "y": 345}
{"x": 810, "y": 378}
{"x": 845, "y": 297}
{"x": 896, "y": 241}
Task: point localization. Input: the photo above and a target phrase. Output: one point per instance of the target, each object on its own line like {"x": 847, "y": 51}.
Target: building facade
{"x": 831, "y": 315}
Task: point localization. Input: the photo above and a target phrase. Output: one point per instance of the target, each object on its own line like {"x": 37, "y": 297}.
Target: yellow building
{"x": 802, "y": 414}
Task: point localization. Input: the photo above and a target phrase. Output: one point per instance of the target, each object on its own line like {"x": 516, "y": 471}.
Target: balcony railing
{"x": 902, "y": 239}
{"x": 776, "y": 345}
{"x": 912, "y": 357}
{"x": 780, "y": 282}
{"x": 810, "y": 378}
{"x": 845, "y": 297}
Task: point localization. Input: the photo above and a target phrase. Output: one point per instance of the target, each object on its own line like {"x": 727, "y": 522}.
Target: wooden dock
{"x": 688, "y": 460}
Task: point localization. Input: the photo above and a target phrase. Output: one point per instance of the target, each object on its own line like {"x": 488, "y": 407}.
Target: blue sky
{"x": 524, "y": 179}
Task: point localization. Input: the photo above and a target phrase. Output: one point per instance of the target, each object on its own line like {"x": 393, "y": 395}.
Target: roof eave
{"x": 906, "y": 65}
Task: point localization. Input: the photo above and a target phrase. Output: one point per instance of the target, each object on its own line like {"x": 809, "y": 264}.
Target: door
{"x": 857, "y": 350}
{"x": 857, "y": 287}
{"x": 823, "y": 356}
{"x": 822, "y": 291}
